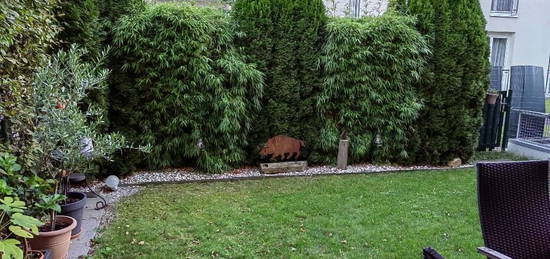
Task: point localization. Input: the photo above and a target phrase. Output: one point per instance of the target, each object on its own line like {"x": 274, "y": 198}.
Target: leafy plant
{"x": 15, "y": 225}
{"x": 369, "y": 65}
{"x": 27, "y": 187}
{"x": 184, "y": 89}
{"x": 27, "y": 31}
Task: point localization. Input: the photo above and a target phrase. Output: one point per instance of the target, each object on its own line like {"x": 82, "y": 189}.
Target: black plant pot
{"x": 75, "y": 210}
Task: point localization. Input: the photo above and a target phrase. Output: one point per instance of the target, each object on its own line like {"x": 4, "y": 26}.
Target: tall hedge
{"x": 369, "y": 66}
{"x": 27, "y": 32}
{"x": 284, "y": 39}
{"x": 187, "y": 91}
{"x": 454, "y": 86}
{"x": 80, "y": 24}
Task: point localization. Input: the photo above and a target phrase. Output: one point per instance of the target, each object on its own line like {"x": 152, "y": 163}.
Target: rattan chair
{"x": 430, "y": 253}
{"x": 514, "y": 209}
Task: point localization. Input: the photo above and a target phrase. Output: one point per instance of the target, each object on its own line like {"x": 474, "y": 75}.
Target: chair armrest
{"x": 491, "y": 253}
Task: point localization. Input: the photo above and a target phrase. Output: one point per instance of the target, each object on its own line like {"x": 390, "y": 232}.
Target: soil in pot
{"x": 74, "y": 207}
{"x": 56, "y": 241}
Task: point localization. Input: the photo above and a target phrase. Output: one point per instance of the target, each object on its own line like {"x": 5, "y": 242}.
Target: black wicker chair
{"x": 514, "y": 209}
{"x": 430, "y": 253}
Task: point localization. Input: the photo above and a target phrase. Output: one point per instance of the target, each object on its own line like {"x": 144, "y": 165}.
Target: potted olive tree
{"x": 68, "y": 136}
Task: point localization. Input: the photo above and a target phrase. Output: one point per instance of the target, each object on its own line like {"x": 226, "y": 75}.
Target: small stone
{"x": 455, "y": 163}
{"x": 112, "y": 182}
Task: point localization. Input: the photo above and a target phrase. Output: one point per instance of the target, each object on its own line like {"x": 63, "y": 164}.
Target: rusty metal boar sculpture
{"x": 278, "y": 146}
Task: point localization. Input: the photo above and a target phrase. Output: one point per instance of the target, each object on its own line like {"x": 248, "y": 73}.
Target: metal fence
{"x": 533, "y": 127}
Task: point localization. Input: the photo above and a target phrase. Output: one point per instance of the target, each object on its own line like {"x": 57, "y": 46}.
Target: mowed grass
{"x": 362, "y": 216}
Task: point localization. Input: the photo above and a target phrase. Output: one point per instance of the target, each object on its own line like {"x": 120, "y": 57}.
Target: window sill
{"x": 504, "y": 15}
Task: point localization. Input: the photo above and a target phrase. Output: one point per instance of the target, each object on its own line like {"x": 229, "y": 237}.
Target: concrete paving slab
{"x": 90, "y": 222}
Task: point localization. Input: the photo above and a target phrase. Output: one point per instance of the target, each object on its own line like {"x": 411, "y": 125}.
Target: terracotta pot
{"x": 57, "y": 241}
{"x": 491, "y": 98}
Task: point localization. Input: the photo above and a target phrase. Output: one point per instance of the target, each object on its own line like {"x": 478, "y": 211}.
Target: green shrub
{"x": 284, "y": 39}
{"x": 454, "y": 86}
{"x": 80, "y": 24}
{"x": 27, "y": 31}
{"x": 183, "y": 87}
{"x": 369, "y": 65}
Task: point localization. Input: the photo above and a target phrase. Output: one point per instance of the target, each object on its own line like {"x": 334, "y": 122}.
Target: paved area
{"x": 90, "y": 223}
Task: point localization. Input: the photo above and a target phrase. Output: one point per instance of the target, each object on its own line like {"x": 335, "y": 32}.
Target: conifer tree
{"x": 454, "y": 85}
{"x": 284, "y": 39}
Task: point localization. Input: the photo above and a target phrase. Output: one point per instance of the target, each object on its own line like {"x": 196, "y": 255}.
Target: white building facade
{"x": 356, "y": 8}
{"x": 519, "y": 32}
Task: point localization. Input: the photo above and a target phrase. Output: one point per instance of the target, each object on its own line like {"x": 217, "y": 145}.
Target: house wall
{"x": 528, "y": 33}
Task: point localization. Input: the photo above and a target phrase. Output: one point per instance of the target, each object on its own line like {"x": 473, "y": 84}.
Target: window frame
{"x": 513, "y": 12}
{"x": 355, "y": 8}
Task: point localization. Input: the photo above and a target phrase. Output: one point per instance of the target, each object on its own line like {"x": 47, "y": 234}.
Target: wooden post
{"x": 342, "y": 162}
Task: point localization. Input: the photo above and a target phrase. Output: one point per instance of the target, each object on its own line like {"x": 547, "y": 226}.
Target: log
{"x": 342, "y": 161}
{"x": 283, "y": 167}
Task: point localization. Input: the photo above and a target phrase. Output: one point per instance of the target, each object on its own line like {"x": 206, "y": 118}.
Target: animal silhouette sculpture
{"x": 279, "y": 146}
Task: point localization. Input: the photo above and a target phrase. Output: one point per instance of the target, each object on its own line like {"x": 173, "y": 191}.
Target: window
{"x": 498, "y": 52}
{"x": 355, "y": 8}
{"x": 504, "y": 7}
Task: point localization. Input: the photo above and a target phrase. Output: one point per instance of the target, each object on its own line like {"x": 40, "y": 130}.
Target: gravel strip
{"x": 189, "y": 175}
{"x": 110, "y": 197}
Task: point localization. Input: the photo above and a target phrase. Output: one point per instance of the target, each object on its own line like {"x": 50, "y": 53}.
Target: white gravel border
{"x": 110, "y": 197}
{"x": 190, "y": 175}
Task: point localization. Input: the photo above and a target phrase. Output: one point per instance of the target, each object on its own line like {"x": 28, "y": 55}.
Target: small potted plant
{"x": 492, "y": 96}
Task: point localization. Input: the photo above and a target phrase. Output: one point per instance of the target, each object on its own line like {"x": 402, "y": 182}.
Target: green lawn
{"x": 362, "y": 216}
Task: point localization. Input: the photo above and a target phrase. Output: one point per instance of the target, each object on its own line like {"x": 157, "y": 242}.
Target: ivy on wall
{"x": 27, "y": 32}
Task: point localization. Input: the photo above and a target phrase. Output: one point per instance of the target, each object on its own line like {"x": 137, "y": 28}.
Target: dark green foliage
{"x": 80, "y": 24}
{"x": 112, "y": 10}
{"x": 284, "y": 39}
{"x": 454, "y": 86}
{"x": 27, "y": 31}
{"x": 369, "y": 65}
{"x": 185, "y": 89}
